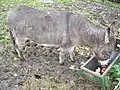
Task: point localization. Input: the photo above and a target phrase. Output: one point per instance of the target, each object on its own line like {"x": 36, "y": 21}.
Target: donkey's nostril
{"x": 35, "y": 44}
{"x": 27, "y": 41}
{"x": 28, "y": 44}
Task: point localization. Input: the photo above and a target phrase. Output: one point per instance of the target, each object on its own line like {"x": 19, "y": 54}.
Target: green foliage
{"x": 107, "y": 3}
{"x": 5, "y": 6}
{"x": 107, "y": 81}
{"x": 115, "y": 71}
{"x": 116, "y": 1}
{"x": 117, "y": 83}
{"x": 115, "y": 75}
{"x": 4, "y": 35}
{"x": 65, "y": 1}
{"x": 118, "y": 33}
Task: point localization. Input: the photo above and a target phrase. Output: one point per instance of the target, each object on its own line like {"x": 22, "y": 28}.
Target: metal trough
{"x": 91, "y": 65}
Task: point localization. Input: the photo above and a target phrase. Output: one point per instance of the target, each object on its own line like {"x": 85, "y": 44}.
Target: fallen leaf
{"x": 15, "y": 58}
{"x": 72, "y": 67}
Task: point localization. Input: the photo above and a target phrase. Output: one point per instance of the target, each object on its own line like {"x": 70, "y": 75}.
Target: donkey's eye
{"x": 109, "y": 52}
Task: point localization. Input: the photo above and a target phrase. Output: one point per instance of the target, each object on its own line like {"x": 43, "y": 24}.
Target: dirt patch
{"x": 41, "y": 71}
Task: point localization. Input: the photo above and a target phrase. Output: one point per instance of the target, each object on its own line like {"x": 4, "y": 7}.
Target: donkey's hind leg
{"x": 15, "y": 48}
{"x": 13, "y": 43}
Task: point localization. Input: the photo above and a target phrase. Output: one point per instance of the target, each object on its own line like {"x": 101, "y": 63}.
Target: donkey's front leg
{"x": 72, "y": 53}
{"x": 62, "y": 56}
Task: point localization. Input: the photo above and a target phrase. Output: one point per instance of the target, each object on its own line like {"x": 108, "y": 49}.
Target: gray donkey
{"x": 59, "y": 29}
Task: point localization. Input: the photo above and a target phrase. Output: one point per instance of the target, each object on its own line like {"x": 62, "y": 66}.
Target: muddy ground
{"x": 41, "y": 69}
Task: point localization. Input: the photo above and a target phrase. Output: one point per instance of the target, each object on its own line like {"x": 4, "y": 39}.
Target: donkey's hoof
{"x": 73, "y": 60}
{"x": 61, "y": 62}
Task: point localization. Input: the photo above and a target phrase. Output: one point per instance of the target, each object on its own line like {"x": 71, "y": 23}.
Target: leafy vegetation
{"x": 114, "y": 75}
{"x": 118, "y": 33}
{"x": 107, "y": 3}
{"x": 5, "y": 6}
{"x": 115, "y": 71}
{"x": 65, "y": 1}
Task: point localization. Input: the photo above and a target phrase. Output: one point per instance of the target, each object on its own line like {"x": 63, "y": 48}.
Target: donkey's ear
{"x": 107, "y": 36}
{"x": 113, "y": 29}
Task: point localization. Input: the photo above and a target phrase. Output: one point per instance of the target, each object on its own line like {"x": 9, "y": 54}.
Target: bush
{"x": 116, "y": 1}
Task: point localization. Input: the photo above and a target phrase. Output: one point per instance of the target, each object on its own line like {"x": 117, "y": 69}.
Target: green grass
{"x": 5, "y": 6}
{"x": 65, "y": 1}
{"x": 107, "y": 3}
